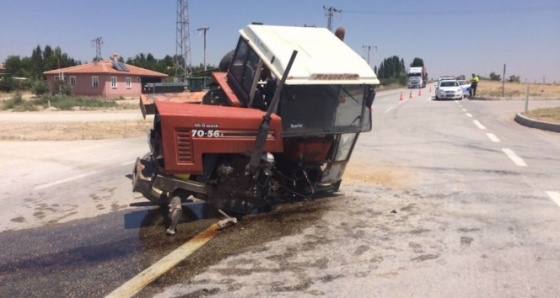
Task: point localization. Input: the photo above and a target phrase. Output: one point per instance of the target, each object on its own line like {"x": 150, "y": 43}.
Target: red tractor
{"x": 279, "y": 124}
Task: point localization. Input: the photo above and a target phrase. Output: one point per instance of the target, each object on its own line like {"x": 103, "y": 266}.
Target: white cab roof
{"x": 322, "y": 58}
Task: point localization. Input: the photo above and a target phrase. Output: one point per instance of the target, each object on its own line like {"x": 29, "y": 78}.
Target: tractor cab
{"x": 325, "y": 92}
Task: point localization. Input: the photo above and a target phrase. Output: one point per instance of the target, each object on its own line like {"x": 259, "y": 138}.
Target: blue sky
{"x": 452, "y": 37}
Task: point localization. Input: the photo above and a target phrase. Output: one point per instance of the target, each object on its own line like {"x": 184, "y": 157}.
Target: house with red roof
{"x": 108, "y": 79}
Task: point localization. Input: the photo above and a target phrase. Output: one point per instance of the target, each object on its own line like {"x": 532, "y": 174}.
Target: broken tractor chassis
{"x": 142, "y": 183}
{"x": 176, "y": 210}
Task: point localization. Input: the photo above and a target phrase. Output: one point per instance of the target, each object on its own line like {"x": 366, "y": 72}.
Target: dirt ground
{"x": 52, "y": 125}
{"x": 517, "y": 90}
{"x": 94, "y": 130}
{"x": 73, "y": 131}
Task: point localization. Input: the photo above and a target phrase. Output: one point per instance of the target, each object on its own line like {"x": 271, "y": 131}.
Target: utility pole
{"x": 504, "y": 81}
{"x": 97, "y": 42}
{"x": 182, "y": 42}
{"x": 330, "y": 11}
{"x": 204, "y": 29}
{"x": 368, "y": 47}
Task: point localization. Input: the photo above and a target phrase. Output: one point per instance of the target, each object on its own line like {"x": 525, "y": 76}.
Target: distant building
{"x": 106, "y": 78}
{"x": 2, "y": 69}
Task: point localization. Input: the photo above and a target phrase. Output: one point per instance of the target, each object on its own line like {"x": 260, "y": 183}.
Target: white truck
{"x": 417, "y": 77}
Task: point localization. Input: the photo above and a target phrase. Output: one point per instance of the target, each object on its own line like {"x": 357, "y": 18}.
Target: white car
{"x": 465, "y": 86}
{"x": 446, "y": 78}
{"x": 449, "y": 89}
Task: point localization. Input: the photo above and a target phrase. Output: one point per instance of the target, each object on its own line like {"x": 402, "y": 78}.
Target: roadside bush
{"x": 401, "y": 81}
{"x": 64, "y": 102}
{"x": 16, "y": 103}
{"x": 40, "y": 87}
{"x": 61, "y": 88}
{"x": 9, "y": 84}
{"x": 24, "y": 84}
{"x": 6, "y": 84}
{"x": 13, "y": 102}
{"x": 60, "y": 102}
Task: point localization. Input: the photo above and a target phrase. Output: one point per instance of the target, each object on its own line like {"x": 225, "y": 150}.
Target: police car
{"x": 449, "y": 89}
{"x": 465, "y": 86}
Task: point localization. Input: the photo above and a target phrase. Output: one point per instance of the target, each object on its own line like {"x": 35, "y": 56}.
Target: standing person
{"x": 474, "y": 84}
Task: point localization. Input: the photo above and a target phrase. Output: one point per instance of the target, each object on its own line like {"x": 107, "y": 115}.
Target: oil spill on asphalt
{"x": 247, "y": 237}
{"x": 91, "y": 257}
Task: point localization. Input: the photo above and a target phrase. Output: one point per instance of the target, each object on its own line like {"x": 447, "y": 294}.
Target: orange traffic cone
{"x": 401, "y": 99}
{"x": 419, "y": 91}
{"x": 410, "y": 96}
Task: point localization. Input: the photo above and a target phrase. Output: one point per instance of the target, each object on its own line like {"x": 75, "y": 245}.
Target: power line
{"x": 463, "y": 11}
{"x": 330, "y": 11}
{"x": 368, "y": 47}
{"x": 97, "y": 42}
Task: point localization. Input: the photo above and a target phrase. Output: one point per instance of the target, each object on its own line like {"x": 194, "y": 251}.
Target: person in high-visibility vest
{"x": 474, "y": 84}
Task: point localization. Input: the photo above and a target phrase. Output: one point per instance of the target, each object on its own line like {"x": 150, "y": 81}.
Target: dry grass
{"x": 493, "y": 89}
{"x": 518, "y": 90}
{"x": 73, "y": 131}
{"x": 548, "y": 115}
{"x": 127, "y": 129}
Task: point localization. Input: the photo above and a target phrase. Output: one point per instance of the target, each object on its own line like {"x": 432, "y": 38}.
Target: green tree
{"x": 392, "y": 67}
{"x": 14, "y": 66}
{"x": 417, "y": 62}
{"x": 63, "y": 59}
{"x": 151, "y": 62}
{"x": 48, "y": 59}
{"x": 37, "y": 62}
{"x": 392, "y": 70}
{"x": 165, "y": 65}
{"x": 495, "y": 77}
{"x": 40, "y": 61}
{"x": 514, "y": 79}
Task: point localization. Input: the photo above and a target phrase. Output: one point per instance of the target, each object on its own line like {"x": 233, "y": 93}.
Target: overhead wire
{"x": 464, "y": 11}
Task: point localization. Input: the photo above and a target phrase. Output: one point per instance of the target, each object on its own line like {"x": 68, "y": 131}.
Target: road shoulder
{"x": 529, "y": 122}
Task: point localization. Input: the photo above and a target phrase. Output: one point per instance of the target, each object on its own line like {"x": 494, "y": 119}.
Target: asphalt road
{"x": 442, "y": 198}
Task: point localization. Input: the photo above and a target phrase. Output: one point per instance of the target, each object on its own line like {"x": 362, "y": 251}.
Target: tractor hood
{"x": 322, "y": 57}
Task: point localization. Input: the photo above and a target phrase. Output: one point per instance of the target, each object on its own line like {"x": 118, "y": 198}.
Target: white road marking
{"x": 65, "y": 180}
{"x": 77, "y": 177}
{"x": 555, "y": 196}
{"x": 464, "y": 110}
{"x": 144, "y": 278}
{"x": 479, "y": 124}
{"x": 389, "y": 109}
{"x": 516, "y": 159}
{"x": 469, "y": 115}
{"x": 493, "y": 138}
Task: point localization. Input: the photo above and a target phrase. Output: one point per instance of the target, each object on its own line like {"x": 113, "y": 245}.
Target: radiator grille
{"x": 184, "y": 147}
